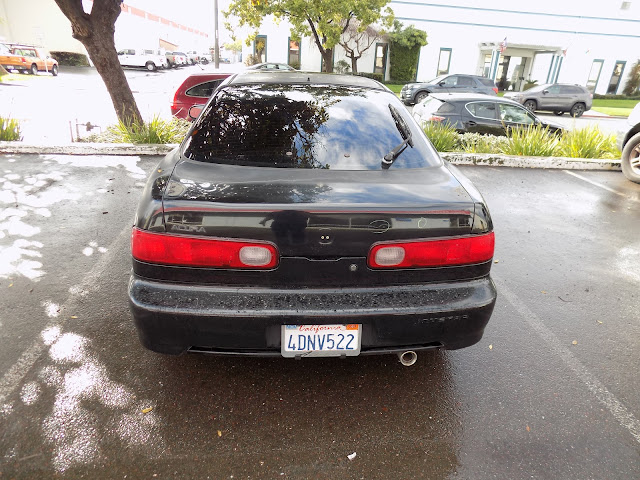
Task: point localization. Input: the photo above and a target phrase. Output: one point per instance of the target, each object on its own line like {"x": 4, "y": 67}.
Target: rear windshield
{"x": 486, "y": 81}
{"x": 306, "y": 126}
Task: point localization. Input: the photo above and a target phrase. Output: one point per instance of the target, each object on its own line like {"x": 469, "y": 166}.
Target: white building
{"x": 587, "y": 42}
{"x": 140, "y": 25}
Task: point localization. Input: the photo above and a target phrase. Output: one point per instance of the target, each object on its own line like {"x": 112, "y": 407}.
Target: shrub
{"x": 295, "y": 65}
{"x": 341, "y": 66}
{"x": 443, "y": 136}
{"x": 71, "y": 59}
{"x": 404, "y": 51}
{"x": 531, "y": 141}
{"x": 375, "y": 76}
{"x": 9, "y": 130}
{"x": 156, "y": 131}
{"x": 251, "y": 60}
{"x": 588, "y": 142}
{"x": 477, "y": 143}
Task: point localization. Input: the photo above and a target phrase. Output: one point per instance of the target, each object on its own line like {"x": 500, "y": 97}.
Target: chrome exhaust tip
{"x": 408, "y": 358}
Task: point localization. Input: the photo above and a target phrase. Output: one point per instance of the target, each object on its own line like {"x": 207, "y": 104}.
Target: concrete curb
{"x": 87, "y": 149}
{"x": 486, "y": 159}
{"x": 564, "y": 163}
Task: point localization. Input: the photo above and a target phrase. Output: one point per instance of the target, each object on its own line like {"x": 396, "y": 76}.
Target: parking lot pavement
{"x": 550, "y": 392}
{"x": 50, "y": 108}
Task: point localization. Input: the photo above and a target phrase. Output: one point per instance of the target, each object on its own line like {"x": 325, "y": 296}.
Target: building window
{"x": 486, "y": 69}
{"x": 380, "y": 64}
{"x": 294, "y": 54}
{"x": 594, "y": 75}
{"x": 618, "y": 69}
{"x": 444, "y": 61}
{"x": 260, "y": 48}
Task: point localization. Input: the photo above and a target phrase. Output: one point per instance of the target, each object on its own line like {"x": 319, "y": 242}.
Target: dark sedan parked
{"x": 478, "y": 114}
{"x": 307, "y": 215}
{"x": 416, "y": 92}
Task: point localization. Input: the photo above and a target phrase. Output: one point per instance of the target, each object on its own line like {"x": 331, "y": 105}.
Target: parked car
{"x": 477, "y": 113}
{"x": 147, "y": 58}
{"x": 195, "y": 90}
{"x": 306, "y": 214}
{"x": 629, "y": 144}
{"x": 555, "y": 97}
{"x": 11, "y": 61}
{"x": 175, "y": 59}
{"x": 271, "y": 66}
{"x": 206, "y": 57}
{"x": 416, "y": 92}
{"x": 193, "y": 57}
{"x": 34, "y": 59}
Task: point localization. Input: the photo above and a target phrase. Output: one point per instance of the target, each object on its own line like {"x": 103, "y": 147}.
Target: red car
{"x": 195, "y": 90}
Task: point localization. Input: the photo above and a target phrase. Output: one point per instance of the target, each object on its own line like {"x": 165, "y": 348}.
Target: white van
{"x": 150, "y": 59}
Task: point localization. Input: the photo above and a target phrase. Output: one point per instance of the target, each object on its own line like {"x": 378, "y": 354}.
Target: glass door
{"x": 615, "y": 77}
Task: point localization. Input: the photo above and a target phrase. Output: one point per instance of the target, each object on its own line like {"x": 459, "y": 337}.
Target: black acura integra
{"x": 307, "y": 214}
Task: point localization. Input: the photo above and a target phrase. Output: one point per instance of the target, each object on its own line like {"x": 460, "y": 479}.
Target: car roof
{"x": 471, "y": 97}
{"x": 253, "y": 77}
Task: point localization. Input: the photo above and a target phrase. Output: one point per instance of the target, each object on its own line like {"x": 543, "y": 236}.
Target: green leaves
{"x": 322, "y": 17}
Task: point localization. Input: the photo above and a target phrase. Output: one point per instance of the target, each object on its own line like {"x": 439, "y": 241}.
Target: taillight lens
{"x": 433, "y": 253}
{"x": 168, "y": 249}
{"x": 495, "y": 89}
{"x": 436, "y": 118}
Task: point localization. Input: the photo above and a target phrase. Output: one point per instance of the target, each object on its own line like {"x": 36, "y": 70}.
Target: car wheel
{"x": 631, "y": 159}
{"x": 577, "y": 110}
{"x": 54, "y": 70}
{"x": 558, "y": 113}
{"x": 530, "y": 105}
{"x": 421, "y": 96}
{"x": 150, "y": 66}
{"x": 34, "y": 69}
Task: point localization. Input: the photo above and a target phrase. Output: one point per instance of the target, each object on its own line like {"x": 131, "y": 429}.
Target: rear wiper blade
{"x": 402, "y": 127}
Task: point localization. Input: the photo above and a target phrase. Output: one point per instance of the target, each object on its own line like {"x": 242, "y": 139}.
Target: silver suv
{"x": 555, "y": 97}
{"x": 416, "y": 92}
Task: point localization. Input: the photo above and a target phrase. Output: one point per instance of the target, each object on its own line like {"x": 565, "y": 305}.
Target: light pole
{"x": 216, "y": 45}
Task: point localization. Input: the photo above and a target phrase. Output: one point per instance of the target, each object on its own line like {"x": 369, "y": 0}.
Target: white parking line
{"x": 11, "y": 380}
{"x": 604, "y": 396}
{"x": 598, "y": 184}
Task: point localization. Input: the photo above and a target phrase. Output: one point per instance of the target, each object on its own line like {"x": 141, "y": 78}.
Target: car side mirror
{"x": 545, "y": 91}
{"x": 441, "y": 83}
{"x": 195, "y": 111}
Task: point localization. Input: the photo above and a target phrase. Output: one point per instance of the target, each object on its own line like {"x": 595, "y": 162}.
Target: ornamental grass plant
{"x": 531, "y": 141}
{"x": 443, "y": 136}
{"x": 588, "y": 142}
{"x": 10, "y": 130}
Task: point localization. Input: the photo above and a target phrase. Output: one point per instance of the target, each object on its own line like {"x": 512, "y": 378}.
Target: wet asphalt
{"x": 551, "y": 391}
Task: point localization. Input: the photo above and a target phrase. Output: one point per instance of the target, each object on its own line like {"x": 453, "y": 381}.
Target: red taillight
{"x": 495, "y": 89}
{"x": 433, "y": 253}
{"x": 168, "y": 249}
{"x": 436, "y": 118}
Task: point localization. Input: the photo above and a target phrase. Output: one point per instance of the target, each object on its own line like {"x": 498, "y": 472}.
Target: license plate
{"x": 320, "y": 340}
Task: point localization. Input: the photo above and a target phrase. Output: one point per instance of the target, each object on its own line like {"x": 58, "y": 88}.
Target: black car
{"x": 416, "y": 92}
{"x": 478, "y": 114}
{"x": 307, "y": 215}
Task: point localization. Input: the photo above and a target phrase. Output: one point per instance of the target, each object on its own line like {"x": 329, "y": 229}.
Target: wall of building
{"x": 585, "y": 31}
{"x": 42, "y": 23}
{"x": 37, "y": 22}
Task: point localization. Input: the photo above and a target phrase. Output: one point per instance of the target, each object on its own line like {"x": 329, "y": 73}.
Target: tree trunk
{"x": 105, "y": 58}
{"x": 354, "y": 64}
{"x": 327, "y": 56}
{"x": 96, "y": 32}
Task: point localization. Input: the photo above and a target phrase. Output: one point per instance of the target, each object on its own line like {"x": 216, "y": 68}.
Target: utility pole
{"x": 216, "y": 45}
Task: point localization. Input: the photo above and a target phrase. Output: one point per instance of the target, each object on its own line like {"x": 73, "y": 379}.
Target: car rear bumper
{"x": 174, "y": 318}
